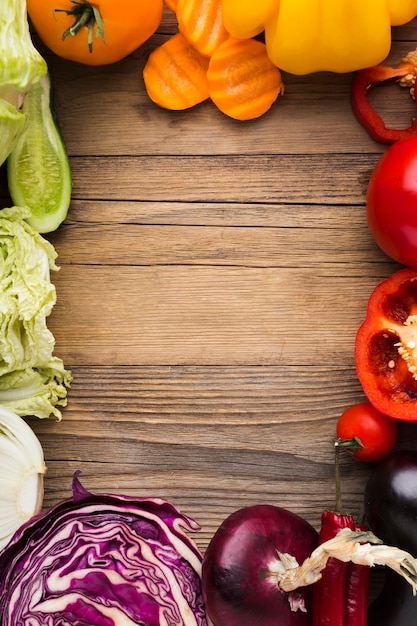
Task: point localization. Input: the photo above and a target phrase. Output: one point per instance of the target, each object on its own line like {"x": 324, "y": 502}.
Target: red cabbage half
{"x": 103, "y": 560}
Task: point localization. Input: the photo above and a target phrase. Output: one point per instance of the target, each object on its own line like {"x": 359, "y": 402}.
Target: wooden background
{"x": 213, "y": 277}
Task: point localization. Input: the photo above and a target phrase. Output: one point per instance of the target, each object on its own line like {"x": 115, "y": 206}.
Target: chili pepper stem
{"x": 338, "y": 502}
{"x": 87, "y": 15}
{"x": 352, "y": 445}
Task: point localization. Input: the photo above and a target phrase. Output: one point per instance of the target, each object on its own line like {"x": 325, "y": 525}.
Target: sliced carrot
{"x": 243, "y": 82}
{"x": 201, "y": 22}
{"x": 175, "y": 74}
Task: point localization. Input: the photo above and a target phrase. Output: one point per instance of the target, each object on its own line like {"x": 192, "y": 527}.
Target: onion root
{"x": 361, "y": 548}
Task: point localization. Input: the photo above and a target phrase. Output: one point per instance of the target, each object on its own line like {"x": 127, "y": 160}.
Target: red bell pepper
{"x": 405, "y": 73}
{"x": 386, "y": 347}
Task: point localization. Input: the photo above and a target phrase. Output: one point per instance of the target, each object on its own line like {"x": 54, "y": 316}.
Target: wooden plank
{"x": 217, "y": 214}
{"x": 225, "y": 397}
{"x": 230, "y": 179}
{"x": 153, "y": 245}
{"x": 207, "y": 315}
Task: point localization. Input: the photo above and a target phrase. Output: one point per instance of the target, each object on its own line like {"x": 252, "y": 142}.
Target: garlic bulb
{"x": 22, "y": 468}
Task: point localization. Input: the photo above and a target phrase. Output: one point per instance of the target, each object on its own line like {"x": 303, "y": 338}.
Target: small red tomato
{"x": 376, "y": 432}
{"x": 391, "y": 202}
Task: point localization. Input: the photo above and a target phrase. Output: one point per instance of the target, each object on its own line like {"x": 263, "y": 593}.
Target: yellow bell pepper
{"x": 402, "y": 11}
{"x": 306, "y": 36}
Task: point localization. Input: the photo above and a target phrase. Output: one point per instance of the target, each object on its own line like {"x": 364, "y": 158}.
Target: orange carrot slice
{"x": 201, "y": 22}
{"x": 175, "y": 74}
{"x": 243, "y": 82}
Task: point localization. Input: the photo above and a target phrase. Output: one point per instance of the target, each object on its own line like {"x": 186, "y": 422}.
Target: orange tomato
{"x": 243, "y": 82}
{"x": 96, "y": 33}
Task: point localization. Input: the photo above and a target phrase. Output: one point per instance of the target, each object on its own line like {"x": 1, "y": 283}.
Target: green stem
{"x": 87, "y": 15}
{"x": 349, "y": 444}
{"x": 338, "y": 503}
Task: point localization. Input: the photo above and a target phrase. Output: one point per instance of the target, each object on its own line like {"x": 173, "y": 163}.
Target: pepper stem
{"x": 87, "y": 15}
{"x": 338, "y": 502}
{"x": 351, "y": 445}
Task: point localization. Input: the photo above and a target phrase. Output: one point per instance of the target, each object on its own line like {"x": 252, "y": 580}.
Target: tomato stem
{"x": 85, "y": 14}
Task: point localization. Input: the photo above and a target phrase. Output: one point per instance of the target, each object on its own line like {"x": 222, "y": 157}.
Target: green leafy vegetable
{"x": 12, "y": 123}
{"x": 32, "y": 380}
{"x": 21, "y": 65}
{"x": 36, "y": 390}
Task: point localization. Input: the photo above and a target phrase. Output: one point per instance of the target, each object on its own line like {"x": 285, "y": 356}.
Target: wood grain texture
{"x": 207, "y": 315}
{"x": 213, "y": 275}
{"x": 215, "y": 438}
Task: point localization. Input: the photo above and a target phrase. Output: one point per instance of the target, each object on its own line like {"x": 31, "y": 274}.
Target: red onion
{"x": 239, "y": 586}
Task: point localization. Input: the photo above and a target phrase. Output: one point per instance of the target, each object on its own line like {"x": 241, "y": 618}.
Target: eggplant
{"x": 391, "y": 513}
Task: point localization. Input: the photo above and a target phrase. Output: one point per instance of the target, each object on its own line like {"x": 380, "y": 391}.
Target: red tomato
{"x": 392, "y": 202}
{"x": 376, "y": 432}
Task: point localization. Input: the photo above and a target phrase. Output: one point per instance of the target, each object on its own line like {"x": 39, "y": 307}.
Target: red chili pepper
{"x": 386, "y": 347}
{"x": 357, "y": 592}
{"x": 405, "y": 73}
{"x": 340, "y": 597}
{"x": 330, "y": 592}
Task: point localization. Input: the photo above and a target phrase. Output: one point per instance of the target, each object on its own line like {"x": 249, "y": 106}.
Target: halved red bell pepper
{"x": 386, "y": 347}
{"x": 405, "y": 74}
